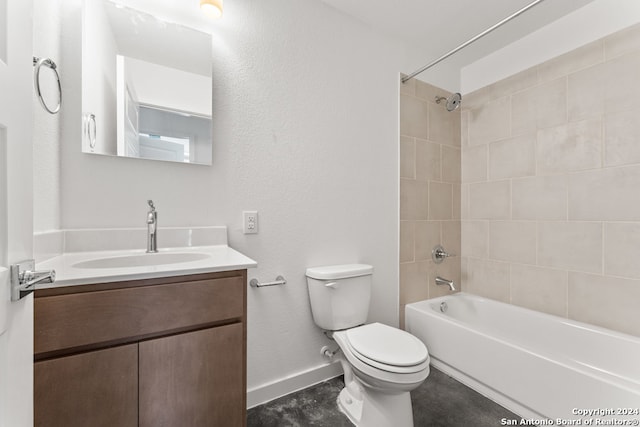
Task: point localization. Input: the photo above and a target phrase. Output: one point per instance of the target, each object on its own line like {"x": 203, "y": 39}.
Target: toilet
{"x": 381, "y": 364}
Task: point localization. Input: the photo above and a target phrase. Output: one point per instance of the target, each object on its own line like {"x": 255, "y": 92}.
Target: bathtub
{"x": 547, "y": 369}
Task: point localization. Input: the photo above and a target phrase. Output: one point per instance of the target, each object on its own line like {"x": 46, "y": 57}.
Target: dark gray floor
{"x": 440, "y": 401}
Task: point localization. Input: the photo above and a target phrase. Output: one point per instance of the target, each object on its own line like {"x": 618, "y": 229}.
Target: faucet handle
{"x": 150, "y": 202}
{"x": 438, "y": 254}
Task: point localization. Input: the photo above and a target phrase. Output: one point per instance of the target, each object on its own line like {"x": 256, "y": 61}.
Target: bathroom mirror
{"x": 146, "y": 86}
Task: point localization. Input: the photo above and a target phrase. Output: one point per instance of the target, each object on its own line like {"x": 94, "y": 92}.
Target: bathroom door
{"x": 16, "y": 210}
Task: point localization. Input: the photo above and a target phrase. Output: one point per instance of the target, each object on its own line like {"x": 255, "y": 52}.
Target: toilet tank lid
{"x": 332, "y": 272}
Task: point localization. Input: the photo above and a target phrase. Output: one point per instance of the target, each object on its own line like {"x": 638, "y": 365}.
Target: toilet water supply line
{"x": 468, "y": 42}
{"x": 349, "y": 383}
{"x": 328, "y": 353}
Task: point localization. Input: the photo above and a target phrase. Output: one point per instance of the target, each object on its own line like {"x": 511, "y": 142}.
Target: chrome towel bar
{"x": 38, "y": 63}
{"x": 279, "y": 281}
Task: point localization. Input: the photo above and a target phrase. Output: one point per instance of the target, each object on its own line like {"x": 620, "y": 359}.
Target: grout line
{"x": 602, "y": 247}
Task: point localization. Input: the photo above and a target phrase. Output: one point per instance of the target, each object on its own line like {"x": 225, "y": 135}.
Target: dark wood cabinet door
{"x": 194, "y": 379}
{"x": 98, "y": 388}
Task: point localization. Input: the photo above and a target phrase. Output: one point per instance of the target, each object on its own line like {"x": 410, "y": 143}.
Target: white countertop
{"x": 214, "y": 259}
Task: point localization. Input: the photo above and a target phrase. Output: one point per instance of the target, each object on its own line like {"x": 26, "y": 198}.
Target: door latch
{"x": 24, "y": 278}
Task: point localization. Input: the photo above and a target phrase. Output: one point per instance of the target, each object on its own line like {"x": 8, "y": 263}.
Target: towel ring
{"x": 38, "y": 63}
{"x": 90, "y": 131}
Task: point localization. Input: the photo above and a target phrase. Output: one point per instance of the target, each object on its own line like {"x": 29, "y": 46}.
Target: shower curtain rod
{"x": 468, "y": 42}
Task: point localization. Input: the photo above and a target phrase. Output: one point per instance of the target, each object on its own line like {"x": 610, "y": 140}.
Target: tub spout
{"x": 447, "y": 282}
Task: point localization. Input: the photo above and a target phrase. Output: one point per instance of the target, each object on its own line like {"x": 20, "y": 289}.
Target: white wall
{"x": 169, "y": 87}
{"x": 587, "y": 24}
{"x": 99, "y": 75}
{"x": 306, "y": 132}
{"x": 46, "y": 127}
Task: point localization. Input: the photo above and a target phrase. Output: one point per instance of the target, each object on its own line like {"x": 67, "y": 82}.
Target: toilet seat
{"x": 378, "y": 344}
{"x": 384, "y": 352}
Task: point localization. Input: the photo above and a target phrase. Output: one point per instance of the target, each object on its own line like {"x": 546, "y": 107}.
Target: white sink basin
{"x": 140, "y": 260}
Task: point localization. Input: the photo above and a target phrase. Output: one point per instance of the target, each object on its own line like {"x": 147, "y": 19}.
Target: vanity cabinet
{"x": 153, "y": 352}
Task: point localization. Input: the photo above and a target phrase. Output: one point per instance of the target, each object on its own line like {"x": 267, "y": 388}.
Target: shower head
{"x": 453, "y": 101}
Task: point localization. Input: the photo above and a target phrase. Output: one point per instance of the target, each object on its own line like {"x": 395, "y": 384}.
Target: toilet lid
{"x": 387, "y": 345}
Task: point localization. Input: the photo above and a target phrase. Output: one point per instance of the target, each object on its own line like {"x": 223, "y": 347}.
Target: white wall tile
{"x": 621, "y": 247}
{"x": 477, "y": 98}
{"x": 540, "y": 197}
{"x": 475, "y": 239}
{"x": 539, "y": 107}
{"x": 576, "y": 212}
{"x": 413, "y": 117}
{"x": 605, "y": 301}
{"x": 440, "y": 201}
{"x": 413, "y": 281}
{"x": 427, "y": 160}
{"x": 515, "y": 83}
{"x": 539, "y": 288}
{"x": 513, "y": 241}
{"x": 451, "y": 164}
{"x": 573, "y": 246}
{"x": 464, "y": 128}
{"x": 407, "y": 157}
{"x": 474, "y": 164}
{"x": 486, "y": 278}
{"x": 451, "y": 237}
{"x": 622, "y": 138}
{"x": 621, "y": 42}
{"x": 427, "y": 235}
{"x": 464, "y": 201}
{"x": 577, "y": 59}
{"x": 622, "y": 91}
{"x": 407, "y": 242}
{"x": 490, "y": 200}
{"x": 490, "y": 122}
{"x": 513, "y": 157}
{"x": 605, "y": 195}
{"x": 408, "y": 87}
{"x": 414, "y": 199}
{"x": 571, "y": 147}
{"x": 586, "y": 90}
{"x": 427, "y": 92}
{"x": 430, "y": 202}
{"x": 442, "y": 124}
{"x": 457, "y": 201}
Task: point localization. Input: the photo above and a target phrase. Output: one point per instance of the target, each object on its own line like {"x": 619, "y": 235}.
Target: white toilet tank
{"x": 340, "y": 295}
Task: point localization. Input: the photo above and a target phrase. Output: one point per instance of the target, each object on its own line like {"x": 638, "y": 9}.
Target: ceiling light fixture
{"x": 211, "y": 8}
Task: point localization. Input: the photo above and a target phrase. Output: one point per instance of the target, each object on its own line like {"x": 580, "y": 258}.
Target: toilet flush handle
{"x": 331, "y": 285}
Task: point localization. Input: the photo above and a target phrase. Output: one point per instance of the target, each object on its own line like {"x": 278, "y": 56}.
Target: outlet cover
{"x": 250, "y": 222}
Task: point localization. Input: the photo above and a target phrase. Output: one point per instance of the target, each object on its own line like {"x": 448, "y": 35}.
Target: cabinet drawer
{"x": 121, "y": 315}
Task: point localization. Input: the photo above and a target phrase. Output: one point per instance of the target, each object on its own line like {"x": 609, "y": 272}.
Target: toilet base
{"x": 375, "y": 409}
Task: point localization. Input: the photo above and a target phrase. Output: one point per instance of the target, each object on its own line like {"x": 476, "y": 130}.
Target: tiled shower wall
{"x": 551, "y": 186}
{"x": 429, "y": 191}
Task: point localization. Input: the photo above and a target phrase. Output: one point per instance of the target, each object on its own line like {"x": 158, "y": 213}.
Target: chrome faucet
{"x": 152, "y": 228}
{"x": 447, "y": 282}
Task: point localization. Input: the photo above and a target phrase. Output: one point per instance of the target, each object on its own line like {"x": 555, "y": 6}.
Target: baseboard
{"x": 267, "y": 392}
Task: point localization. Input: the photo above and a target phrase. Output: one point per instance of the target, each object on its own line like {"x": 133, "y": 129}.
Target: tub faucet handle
{"x": 438, "y": 254}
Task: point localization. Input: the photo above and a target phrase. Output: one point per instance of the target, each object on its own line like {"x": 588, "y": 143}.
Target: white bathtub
{"x": 541, "y": 367}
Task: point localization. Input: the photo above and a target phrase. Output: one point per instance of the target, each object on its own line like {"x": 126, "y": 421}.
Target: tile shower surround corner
{"x": 550, "y": 179}
{"x": 549, "y": 161}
